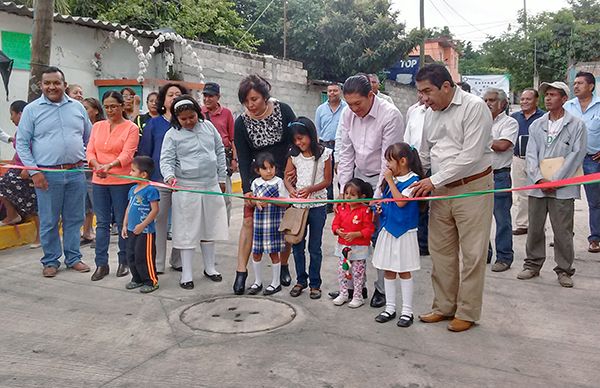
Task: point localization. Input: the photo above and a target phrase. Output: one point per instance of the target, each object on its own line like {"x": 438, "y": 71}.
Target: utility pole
{"x": 285, "y": 29}
{"x": 536, "y": 76}
{"x": 41, "y": 44}
{"x": 422, "y": 47}
{"x": 525, "y": 17}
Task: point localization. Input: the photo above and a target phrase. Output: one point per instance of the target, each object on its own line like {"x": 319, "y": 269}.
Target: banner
{"x": 404, "y": 71}
{"x": 479, "y": 83}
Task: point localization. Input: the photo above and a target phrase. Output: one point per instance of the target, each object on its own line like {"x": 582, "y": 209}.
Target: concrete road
{"x": 71, "y": 332}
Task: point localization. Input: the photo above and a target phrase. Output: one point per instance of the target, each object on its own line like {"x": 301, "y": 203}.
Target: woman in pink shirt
{"x": 110, "y": 150}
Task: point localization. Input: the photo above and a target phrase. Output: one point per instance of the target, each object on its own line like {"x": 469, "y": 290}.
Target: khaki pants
{"x": 519, "y": 179}
{"x": 460, "y": 228}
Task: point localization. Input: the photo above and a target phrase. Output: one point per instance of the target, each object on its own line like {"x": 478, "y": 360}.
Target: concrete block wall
{"x": 228, "y": 67}
{"x": 403, "y": 95}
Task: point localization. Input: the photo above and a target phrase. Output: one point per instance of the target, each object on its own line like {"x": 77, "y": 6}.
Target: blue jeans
{"x": 64, "y": 199}
{"x": 109, "y": 200}
{"x": 314, "y": 228}
{"x": 592, "y": 192}
{"x": 502, "y": 205}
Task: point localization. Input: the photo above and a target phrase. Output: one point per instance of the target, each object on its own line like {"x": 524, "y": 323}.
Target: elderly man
{"x": 528, "y": 114}
{"x": 586, "y": 107}
{"x": 457, "y": 147}
{"x": 222, "y": 119}
{"x": 505, "y": 130}
{"x": 53, "y": 132}
{"x": 374, "y": 80}
{"x": 368, "y": 127}
{"x": 327, "y": 118}
{"x": 555, "y": 150}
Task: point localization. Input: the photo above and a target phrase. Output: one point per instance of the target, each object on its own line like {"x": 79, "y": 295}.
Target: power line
{"x": 438, "y": 11}
{"x": 461, "y": 16}
{"x": 252, "y": 25}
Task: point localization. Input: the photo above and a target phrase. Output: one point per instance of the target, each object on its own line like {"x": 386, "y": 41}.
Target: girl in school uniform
{"x": 397, "y": 248}
{"x": 193, "y": 156}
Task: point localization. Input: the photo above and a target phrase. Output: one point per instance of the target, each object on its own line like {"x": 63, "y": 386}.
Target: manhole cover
{"x": 231, "y": 315}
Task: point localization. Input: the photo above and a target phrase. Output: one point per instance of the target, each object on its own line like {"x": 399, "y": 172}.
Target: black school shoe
{"x": 254, "y": 289}
{"x": 384, "y": 317}
{"x": 187, "y": 285}
{"x": 405, "y": 320}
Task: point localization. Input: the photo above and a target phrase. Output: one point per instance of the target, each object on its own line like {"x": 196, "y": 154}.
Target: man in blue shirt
{"x": 327, "y": 118}
{"x": 528, "y": 114}
{"x": 586, "y": 107}
{"x": 53, "y": 132}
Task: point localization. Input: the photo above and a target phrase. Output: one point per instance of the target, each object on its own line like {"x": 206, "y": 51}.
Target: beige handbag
{"x": 293, "y": 224}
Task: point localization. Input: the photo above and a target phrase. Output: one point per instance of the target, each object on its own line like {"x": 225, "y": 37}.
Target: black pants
{"x": 141, "y": 257}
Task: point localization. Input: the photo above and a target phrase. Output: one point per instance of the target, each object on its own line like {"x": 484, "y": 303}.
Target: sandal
{"x": 254, "y": 289}
{"x": 384, "y": 317}
{"x": 297, "y": 290}
{"x": 315, "y": 293}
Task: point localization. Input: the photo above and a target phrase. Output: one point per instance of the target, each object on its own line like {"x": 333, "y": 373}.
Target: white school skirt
{"x": 198, "y": 217}
{"x": 397, "y": 254}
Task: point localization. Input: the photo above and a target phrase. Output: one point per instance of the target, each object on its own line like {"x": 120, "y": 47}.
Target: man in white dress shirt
{"x": 505, "y": 130}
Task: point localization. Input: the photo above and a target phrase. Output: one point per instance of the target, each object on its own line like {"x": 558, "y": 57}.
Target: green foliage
{"x": 60, "y": 6}
{"x": 333, "y": 38}
{"x": 559, "y": 39}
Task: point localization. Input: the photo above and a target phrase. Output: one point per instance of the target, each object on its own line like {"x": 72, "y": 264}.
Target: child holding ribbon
{"x": 193, "y": 157}
{"x": 397, "y": 248}
{"x": 353, "y": 224}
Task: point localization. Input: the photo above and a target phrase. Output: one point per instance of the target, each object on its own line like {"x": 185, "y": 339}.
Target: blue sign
{"x": 404, "y": 71}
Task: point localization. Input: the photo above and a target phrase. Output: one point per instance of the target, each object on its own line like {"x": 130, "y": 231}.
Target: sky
{"x": 479, "y": 17}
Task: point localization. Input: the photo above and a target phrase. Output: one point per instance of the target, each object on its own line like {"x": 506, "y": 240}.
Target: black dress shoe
{"x": 384, "y": 317}
{"x": 405, "y": 320}
{"x": 239, "y": 285}
{"x": 254, "y": 289}
{"x": 378, "y": 299}
{"x": 285, "y": 279}
{"x": 187, "y": 285}
{"x": 100, "y": 272}
{"x": 215, "y": 278}
{"x": 122, "y": 270}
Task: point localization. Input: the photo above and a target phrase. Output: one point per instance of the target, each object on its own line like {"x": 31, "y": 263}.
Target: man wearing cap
{"x": 555, "y": 150}
{"x": 504, "y": 131}
{"x": 586, "y": 107}
{"x": 222, "y": 119}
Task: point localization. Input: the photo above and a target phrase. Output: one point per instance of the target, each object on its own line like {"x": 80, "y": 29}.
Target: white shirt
{"x": 275, "y": 181}
{"x": 385, "y": 97}
{"x": 504, "y": 128}
{"x": 458, "y": 139}
{"x": 304, "y": 171}
{"x": 554, "y": 128}
{"x": 415, "y": 118}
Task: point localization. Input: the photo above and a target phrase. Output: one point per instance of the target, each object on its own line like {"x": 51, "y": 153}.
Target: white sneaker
{"x": 340, "y": 300}
{"x": 356, "y": 303}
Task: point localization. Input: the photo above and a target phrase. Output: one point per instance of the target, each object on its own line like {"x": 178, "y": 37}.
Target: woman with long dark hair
{"x": 262, "y": 127}
{"x": 111, "y": 149}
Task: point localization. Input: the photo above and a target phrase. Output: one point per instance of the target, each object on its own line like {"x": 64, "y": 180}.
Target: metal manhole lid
{"x": 236, "y": 315}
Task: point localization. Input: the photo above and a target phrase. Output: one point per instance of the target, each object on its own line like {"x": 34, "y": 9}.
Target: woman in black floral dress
{"x": 16, "y": 188}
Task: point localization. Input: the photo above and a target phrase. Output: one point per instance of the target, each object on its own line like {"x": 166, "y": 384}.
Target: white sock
{"x": 257, "y": 265}
{"x": 407, "y": 286}
{"x": 390, "y": 295}
{"x": 208, "y": 255}
{"x": 187, "y": 257}
{"x": 276, "y": 282}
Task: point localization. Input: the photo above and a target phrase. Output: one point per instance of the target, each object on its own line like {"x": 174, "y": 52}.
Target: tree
{"x": 334, "y": 39}
{"x": 60, "y": 6}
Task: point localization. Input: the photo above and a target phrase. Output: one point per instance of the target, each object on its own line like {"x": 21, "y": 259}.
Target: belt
{"x": 66, "y": 166}
{"x": 503, "y": 169}
{"x": 468, "y": 179}
{"x": 327, "y": 142}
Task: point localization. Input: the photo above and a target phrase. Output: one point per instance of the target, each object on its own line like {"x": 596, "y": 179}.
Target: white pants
{"x": 519, "y": 179}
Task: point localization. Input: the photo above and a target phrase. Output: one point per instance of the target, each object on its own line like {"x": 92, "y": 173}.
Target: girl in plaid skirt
{"x": 266, "y": 236}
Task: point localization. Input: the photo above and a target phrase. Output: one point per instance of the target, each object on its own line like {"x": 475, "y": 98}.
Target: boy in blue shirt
{"x": 139, "y": 228}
